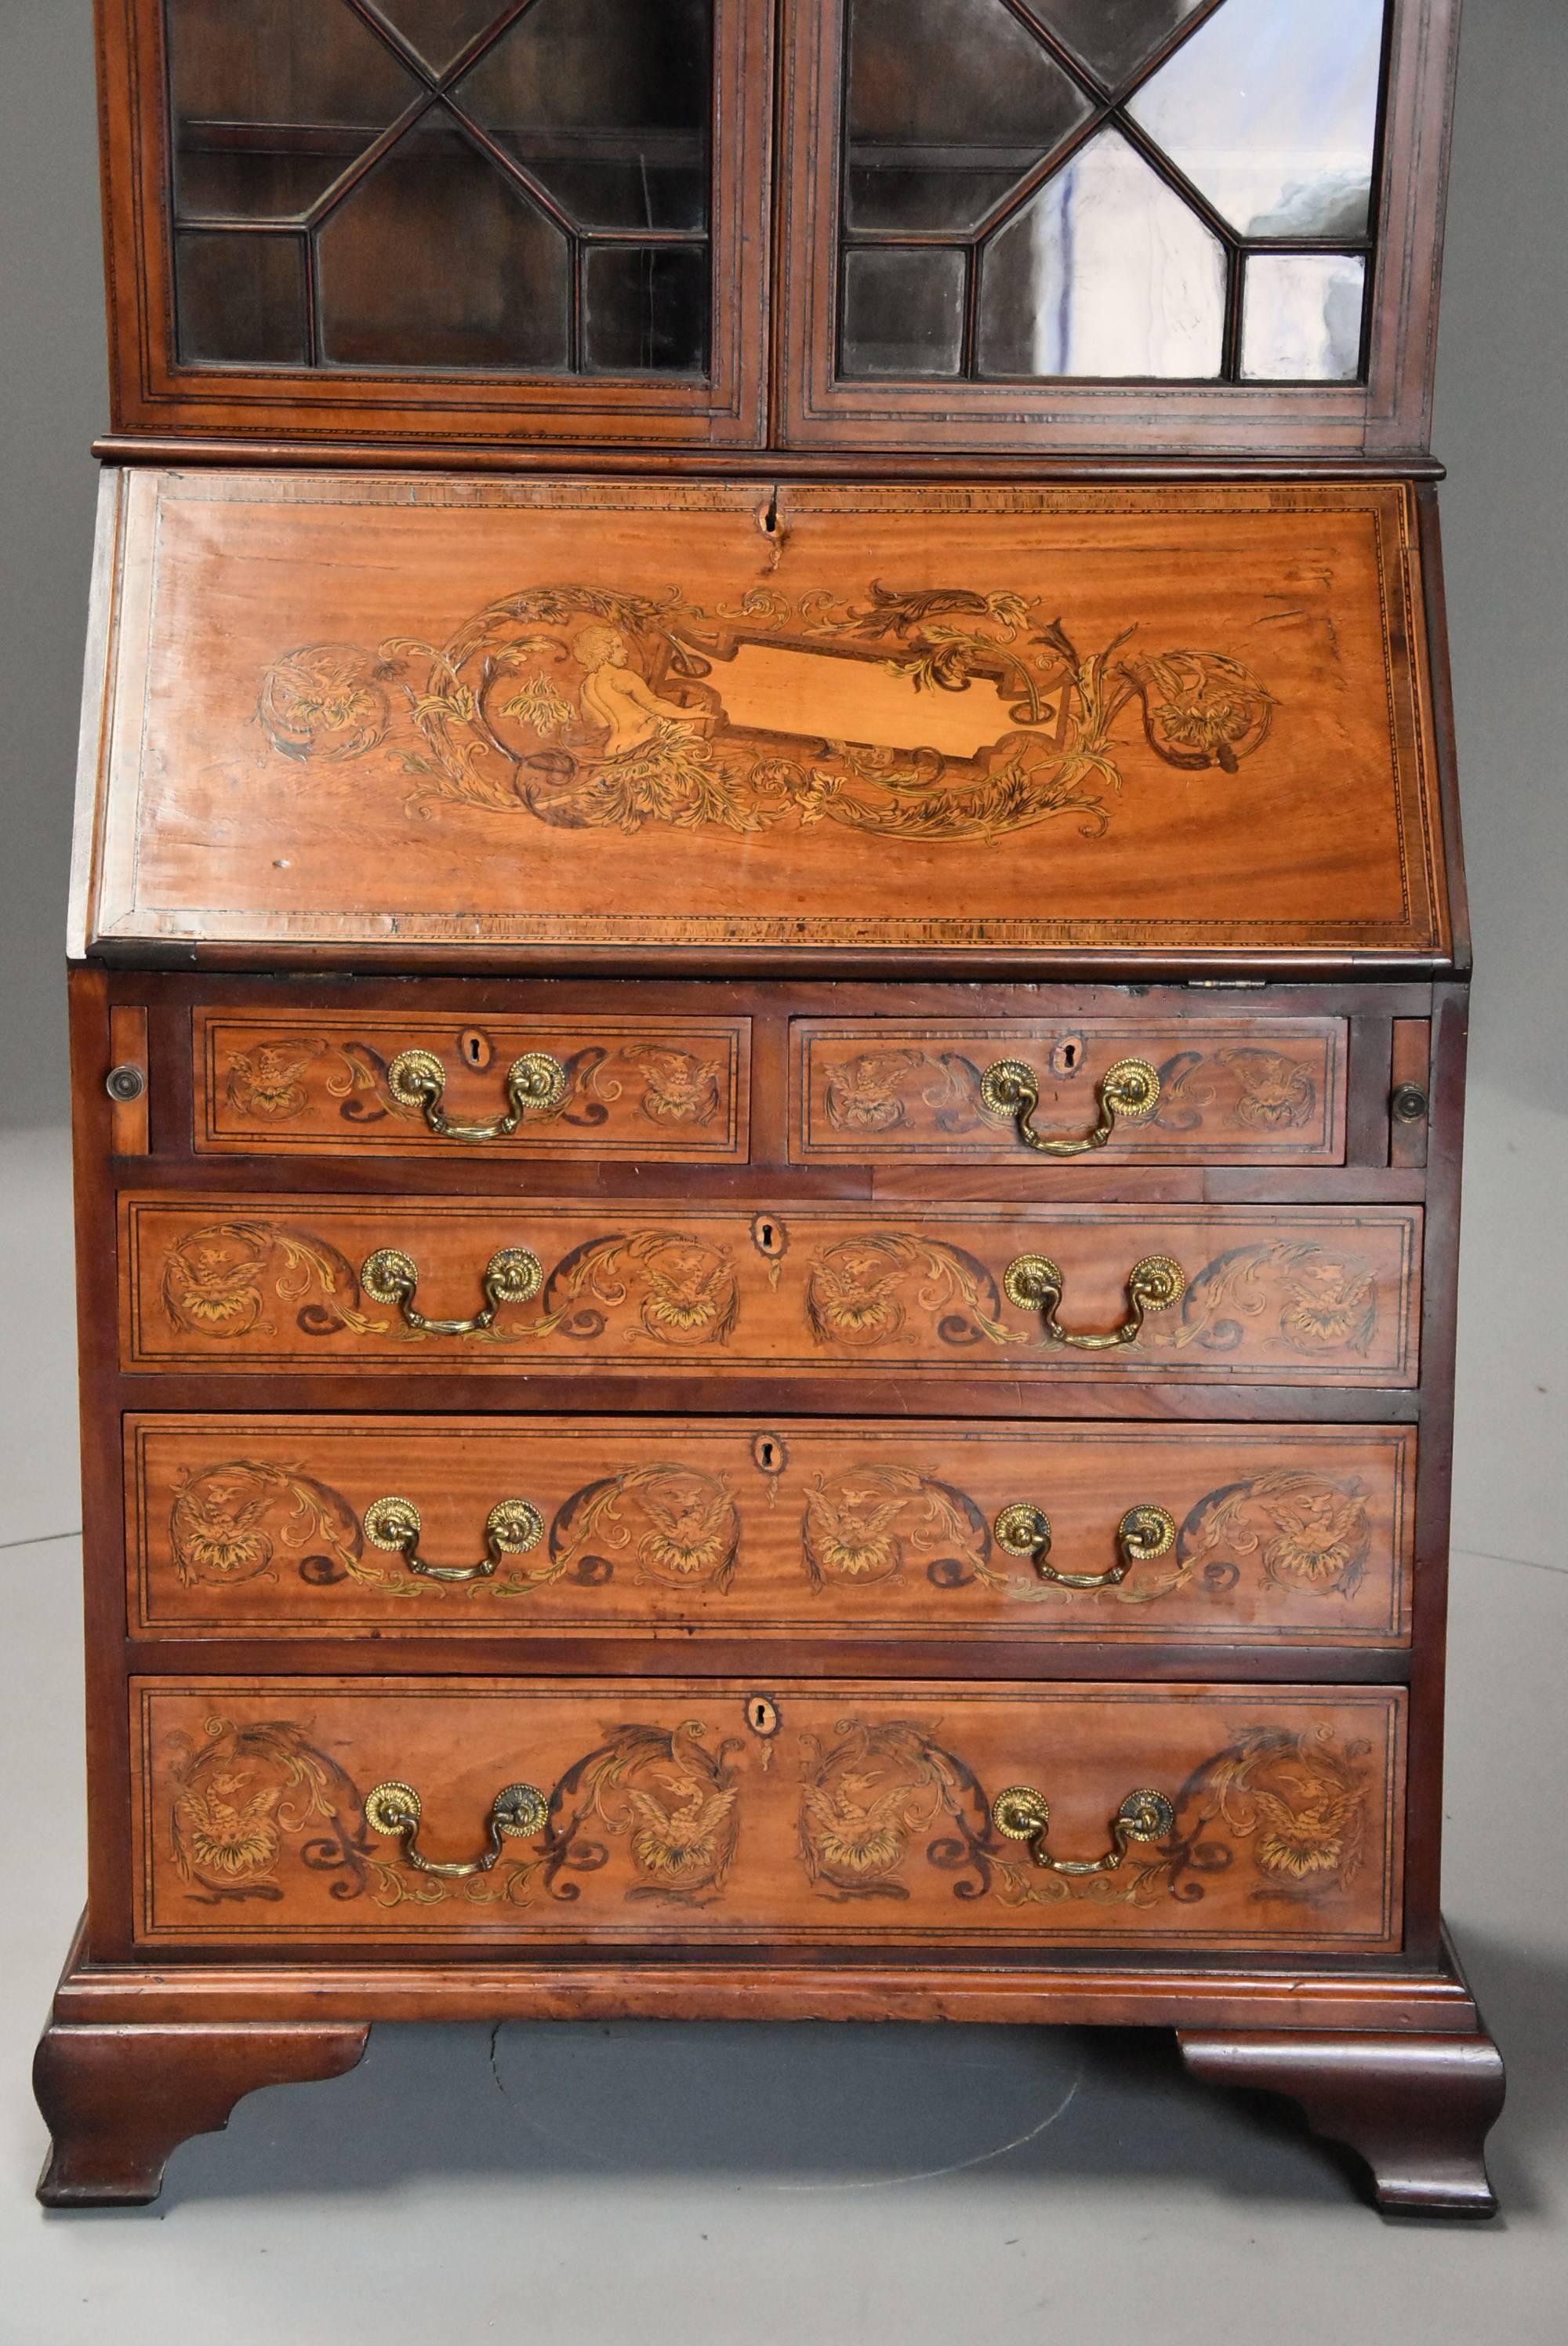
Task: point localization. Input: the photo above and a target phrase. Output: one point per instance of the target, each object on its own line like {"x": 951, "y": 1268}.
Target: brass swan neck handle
{"x": 512, "y": 1275}
{"x": 518, "y": 1812}
{"x": 1130, "y": 1092}
{"x": 511, "y": 1528}
{"x": 1021, "y": 1813}
{"x": 1145, "y": 1531}
{"x": 1034, "y": 1283}
{"x": 535, "y": 1086}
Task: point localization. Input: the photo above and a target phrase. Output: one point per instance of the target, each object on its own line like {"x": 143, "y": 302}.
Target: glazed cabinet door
{"x": 1111, "y": 223}
{"x": 447, "y": 219}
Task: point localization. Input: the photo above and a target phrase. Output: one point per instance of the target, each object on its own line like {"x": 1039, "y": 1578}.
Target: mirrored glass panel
{"x": 949, "y": 103}
{"x": 435, "y": 261}
{"x": 1301, "y": 318}
{"x": 605, "y": 104}
{"x": 1270, "y": 109}
{"x": 1114, "y": 38}
{"x": 903, "y": 312}
{"x": 1105, "y": 271}
{"x": 431, "y": 191}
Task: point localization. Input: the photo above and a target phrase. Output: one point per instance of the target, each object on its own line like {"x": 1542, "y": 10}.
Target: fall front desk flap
{"x": 399, "y": 713}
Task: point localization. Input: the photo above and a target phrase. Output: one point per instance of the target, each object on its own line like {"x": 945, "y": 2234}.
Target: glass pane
{"x": 646, "y": 311}
{"x": 434, "y": 260}
{"x": 903, "y": 312}
{"x": 1271, "y": 109}
{"x": 1112, "y": 38}
{"x": 1301, "y": 321}
{"x": 951, "y": 102}
{"x": 437, "y": 30}
{"x": 241, "y": 299}
{"x": 271, "y": 99}
{"x": 606, "y": 103}
{"x": 1105, "y": 271}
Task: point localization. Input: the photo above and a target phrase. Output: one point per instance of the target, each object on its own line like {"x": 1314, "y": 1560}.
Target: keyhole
{"x": 1068, "y": 1055}
{"x": 761, "y": 1717}
{"x": 474, "y": 1048}
{"x": 769, "y": 1237}
{"x": 768, "y": 1453}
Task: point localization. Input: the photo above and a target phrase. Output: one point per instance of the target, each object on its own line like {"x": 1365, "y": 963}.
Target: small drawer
{"x": 487, "y": 1526}
{"x": 1202, "y": 1089}
{"x": 396, "y": 1286}
{"x": 416, "y": 1085}
{"x": 705, "y": 1813}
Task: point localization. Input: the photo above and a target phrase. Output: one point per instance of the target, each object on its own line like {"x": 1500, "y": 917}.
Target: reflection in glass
{"x": 1271, "y": 110}
{"x": 605, "y": 104}
{"x": 645, "y": 311}
{"x": 434, "y": 260}
{"x": 903, "y": 312}
{"x": 240, "y": 298}
{"x": 437, "y": 30}
{"x": 1105, "y": 271}
{"x": 1301, "y": 319}
{"x": 949, "y": 103}
{"x": 1113, "y": 38}
{"x": 270, "y": 99}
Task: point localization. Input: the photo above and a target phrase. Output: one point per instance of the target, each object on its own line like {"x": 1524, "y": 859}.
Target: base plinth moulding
{"x": 137, "y": 2059}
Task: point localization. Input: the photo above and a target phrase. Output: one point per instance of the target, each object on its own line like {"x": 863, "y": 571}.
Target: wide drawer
{"x": 596, "y": 1527}
{"x": 1289, "y": 1295}
{"x": 594, "y": 1088}
{"x": 1232, "y": 1091}
{"x": 707, "y": 1811}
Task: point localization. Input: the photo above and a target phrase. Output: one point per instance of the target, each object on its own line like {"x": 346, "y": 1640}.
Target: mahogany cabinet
{"x": 768, "y": 973}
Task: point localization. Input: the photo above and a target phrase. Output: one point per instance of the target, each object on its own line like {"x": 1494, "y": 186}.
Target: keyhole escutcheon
{"x": 474, "y": 1048}
{"x": 761, "y": 1715}
{"x": 1068, "y": 1055}
{"x": 770, "y": 1237}
{"x": 768, "y": 1454}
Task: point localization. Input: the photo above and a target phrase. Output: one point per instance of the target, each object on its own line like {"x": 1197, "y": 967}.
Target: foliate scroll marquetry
{"x": 691, "y": 1813}
{"x": 654, "y": 1088}
{"x": 1294, "y": 1294}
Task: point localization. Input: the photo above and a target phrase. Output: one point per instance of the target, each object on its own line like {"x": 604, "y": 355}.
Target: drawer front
{"x": 1231, "y": 1091}
{"x": 1293, "y": 1295}
{"x": 340, "y": 1085}
{"x": 280, "y": 1525}
{"x": 704, "y": 1811}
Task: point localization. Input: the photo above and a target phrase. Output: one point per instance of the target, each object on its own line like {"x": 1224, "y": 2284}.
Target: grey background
{"x": 590, "y": 2187}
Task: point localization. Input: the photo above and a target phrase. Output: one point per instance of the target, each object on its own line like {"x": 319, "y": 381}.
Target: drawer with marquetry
{"x": 824, "y": 1813}
{"x": 597, "y": 1528}
{"x": 1166, "y": 1087}
{"x": 423, "y": 1082}
{"x": 1278, "y": 1294}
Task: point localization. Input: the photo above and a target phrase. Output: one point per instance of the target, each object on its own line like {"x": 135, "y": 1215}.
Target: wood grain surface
{"x": 1232, "y": 1091}
{"x": 1289, "y": 1295}
{"x": 654, "y": 1088}
{"x": 856, "y": 1814}
{"x": 1289, "y": 1533}
{"x": 394, "y": 715}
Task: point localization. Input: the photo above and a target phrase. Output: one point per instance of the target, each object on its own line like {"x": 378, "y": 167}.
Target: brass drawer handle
{"x": 511, "y": 1528}
{"x": 535, "y": 1086}
{"x": 1130, "y": 1090}
{"x": 1021, "y": 1813}
{"x": 1144, "y": 1532}
{"x": 1034, "y": 1282}
{"x": 511, "y": 1276}
{"x": 517, "y": 1813}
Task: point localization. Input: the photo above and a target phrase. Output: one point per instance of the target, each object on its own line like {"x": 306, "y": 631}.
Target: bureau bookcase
{"x": 768, "y": 980}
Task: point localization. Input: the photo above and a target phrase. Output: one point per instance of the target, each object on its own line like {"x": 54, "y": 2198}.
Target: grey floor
{"x": 602, "y": 2186}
